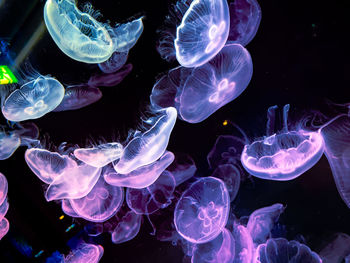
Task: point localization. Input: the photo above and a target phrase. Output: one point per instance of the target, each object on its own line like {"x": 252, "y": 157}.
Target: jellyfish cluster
{"x": 113, "y": 187}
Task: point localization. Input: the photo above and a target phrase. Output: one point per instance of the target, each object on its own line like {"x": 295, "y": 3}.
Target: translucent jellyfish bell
{"x": 9, "y": 142}
{"x": 128, "y": 227}
{"x": 244, "y": 247}
{"x": 114, "y": 63}
{"x": 231, "y": 177}
{"x": 4, "y": 207}
{"x": 4, "y": 227}
{"x": 202, "y": 33}
{"x": 85, "y": 253}
{"x": 182, "y": 168}
{"x": 285, "y": 155}
{"x": 77, "y": 34}
{"x": 202, "y": 211}
{"x": 3, "y": 188}
{"x": 33, "y": 99}
{"x": 216, "y": 83}
{"x": 110, "y": 79}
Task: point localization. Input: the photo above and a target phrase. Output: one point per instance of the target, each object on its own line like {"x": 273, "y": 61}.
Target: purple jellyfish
{"x": 244, "y": 248}
{"x": 231, "y": 177}
{"x": 85, "y": 253}
{"x": 110, "y": 79}
{"x": 4, "y": 227}
{"x": 337, "y": 249}
{"x": 4, "y": 207}
{"x": 68, "y": 209}
{"x": 127, "y": 228}
{"x": 3, "y": 188}
{"x": 183, "y": 168}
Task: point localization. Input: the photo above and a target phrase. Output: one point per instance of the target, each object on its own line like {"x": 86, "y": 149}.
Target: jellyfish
{"x": 4, "y": 207}
{"x": 110, "y": 80}
{"x": 202, "y": 33}
{"x": 149, "y": 146}
{"x": 231, "y": 177}
{"x": 77, "y": 97}
{"x": 182, "y": 168}
{"x": 202, "y": 211}
{"x": 94, "y": 229}
{"x": 28, "y": 132}
{"x": 337, "y": 249}
{"x": 114, "y": 63}
{"x": 68, "y": 209}
{"x": 245, "y": 17}
{"x": 101, "y": 203}
{"x": 141, "y": 177}
{"x": 9, "y": 142}
{"x": 4, "y": 227}
{"x": 221, "y": 249}
{"x": 216, "y": 83}
{"x": 34, "y": 99}
{"x": 244, "y": 247}
{"x": 154, "y": 197}
{"x": 282, "y": 250}
{"x": 284, "y": 155}
{"x": 85, "y": 253}
{"x": 3, "y": 188}
{"x": 100, "y": 155}
{"x": 128, "y": 227}
{"x": 261, "y": 222}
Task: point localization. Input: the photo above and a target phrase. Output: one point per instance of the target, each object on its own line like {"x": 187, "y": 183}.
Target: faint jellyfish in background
{"x": 110, "y": 80}
{"x": 221, "y": 249}
{"x": 9, "y": 142}
{"x": 216, "y": 83}
{"x": 100, "y": 155}
{"x": 337, "y": 249}
{"x": 33, "y": 99}
{"x": 149, "y": 146}
{"x": 202, "y": 33}
{"x": 245, "y": 17}
{"x": 244, "y": 247}
{"x": 114, "y": 63}
{"x": 284, "y": 155}
{"x": 282, "y": 250}
{"x": 29, "y": 134}
{"x": 4, "y": 227}
{"x": 85, "y": 253}
{"x": 94, "y": 229}
{"x": 77, "y": 97}
{"x": 231, "y": 177}
{"x": 202, "y": 211}
{"x": 261, "y": 222}
{"x": 127, "y": 228}
{"x": 182, "y": 168}
{"x": 3, "y": 188}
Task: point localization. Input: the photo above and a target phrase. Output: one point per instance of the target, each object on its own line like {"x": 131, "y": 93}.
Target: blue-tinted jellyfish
{"x": 3, "y": 188}
{"x": 94, "y": 229}
{"x": 9, "y": 142}
{"x": 221, "y": 249}
{"x": 85, "y": 253}
{"x": 282, "y": 250}
{"x": 216, "y": 83}
{"x": 202, "y": 33}
{"x": 141, "y": 177}
{"x": 149, "y": 146}
{"x": 100, "y": 155}
{"x": 33, "y": 100}
{"x": 128, "y": 227}
{"x": 284, "y": 155}
{"x": 231, "y": 177}
{"x": 154, "y": 197}
{"x": 4, "y": 227}
{"x": 202, "y": 211}
{"x": 77, "y": 34}
{"x": 77, "y": 97}
{"x": 337, "y": 249}
{"x": 28, "y": 132}
{"x": 182, "y": 168}
{"x": 261, "y": 222}
{"x": 114, "y": 63}
{"x": 110, "y": 80}
{"x": 68, "y": 209}
{"x": 101, "y": 203}
{"x": 244, "y": 247}
{"x": 245, "y": 17}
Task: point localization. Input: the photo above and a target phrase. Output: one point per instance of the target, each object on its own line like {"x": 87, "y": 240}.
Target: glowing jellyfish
{"x": 110, "y": 80}
{"x": 4, "y": 227}
{"x": 128, "y": 227}
{"x": 114, "y": 63}
{"x": 149, "y": 146}
{"x": 245, "y": 17}
{"x": 202, "y": 211}
{"x": 141, "y": 177}
{"x": 77, "y": 34}
{"x": 9, "y": 142}
{"x": 4, "y": 207}
{"x": 221, "y": 249}
{"x": 3, "y": 188}
{"x": 33, "y": 99}
{"x": 77, "y": 97}
{"x": 261, "y": 222}
{"x": 154, "y": 197}
{"x": 337, "y": 249}
{"x": 94, "y": 229}
{"x": 100, "y": 155}
{"x": 29, "y": 134}
{"x": 285, "y": 155}
{"x": 231, "y": 177}
{"x": 182, "y": 168}
{"x": 85, "y": 253}
{"x": 216, "y": 83}
{"x": 282, "y": 250}
{"x": 202, "y": 33}
{"x": 244, "y": 247}
{"x": 68, "y": 209}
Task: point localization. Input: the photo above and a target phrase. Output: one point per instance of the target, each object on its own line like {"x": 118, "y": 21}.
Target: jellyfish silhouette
{"x": 100, "y": 155}
{"x": 149, "y": 146}
{"x": 231, "y": 177}
{"x": 28, "y": 132}
{"x": 221, "y": 249}
{"x": 9, "y": 142}
{"x": 114, "y": 63}
{"x": 244, "y": 247}
{"x": 33, "y": 99}
{"x": 245, "y": 17}
{"x": 216, "y": 83}
{"x": 85, "y": 253}
{"x": 127, "y": 228}
{"x": 182, "y": 168}
{"x": 77, "y": 97}
{"x": 3, "y": 188}
{"x": 111, "y": 79}
{"x": 202, "y": 211}
{"x": 282, "y": 250}
{"x": 337, "y": 249}
{"x": 285, "y": 155}
{"x": 4, "y": 227}
{"x": 202, "y": 33}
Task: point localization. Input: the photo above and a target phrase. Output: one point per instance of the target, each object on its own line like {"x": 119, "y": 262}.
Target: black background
{"x": 300, "y": 56}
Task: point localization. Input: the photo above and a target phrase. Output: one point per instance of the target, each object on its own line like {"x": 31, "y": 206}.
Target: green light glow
{"x": 6, "y": 76}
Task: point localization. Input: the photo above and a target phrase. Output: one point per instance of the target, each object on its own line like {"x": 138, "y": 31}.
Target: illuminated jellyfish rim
{"x": 252, "y": 166}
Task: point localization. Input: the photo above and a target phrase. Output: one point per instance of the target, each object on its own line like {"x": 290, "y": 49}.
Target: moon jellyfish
{"x": 216, "y": 83}
{"x": 141, "y": 177}
{"x": 182, "y": 168}
{"x": 77, "y": 97}
{"x": 77, "y": 34}
{"x": 3, "y": 188}
{"x": 285, "y": 155}
{"x": 154, "y": 197}
{"x": 202, "y": 33}
{"x": 85, "y": 253}
{"x": 245, "y": 17}
{"x": 110, "y": 80}
{"x": 68, "y": 209}
{"x": 282, "y": 250}
{"x": 337, "y": 249}
{"x": 9, "y": 142}
{"x": 231, "y": 177}
{"x": 100, "y": 204}
{"x": 100, "y": 155}
{"x": 221, "y": 249}
{"x": 202, "y": 211}
{"x": 244, "y": 247}
{"x": 128, "y": 227}
{"x": 261, "y": 222}
{"x": 29, "y": 134}
{"x": 4, "y": 227}
{"x": 114, "y": 63}
{"x": 149, "y": 146}
{"x": 33, "y": 99}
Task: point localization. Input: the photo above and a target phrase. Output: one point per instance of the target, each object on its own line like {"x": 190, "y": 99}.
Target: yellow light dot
{"x": 61, "y": 217}
{"x": 225, "y": 123}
